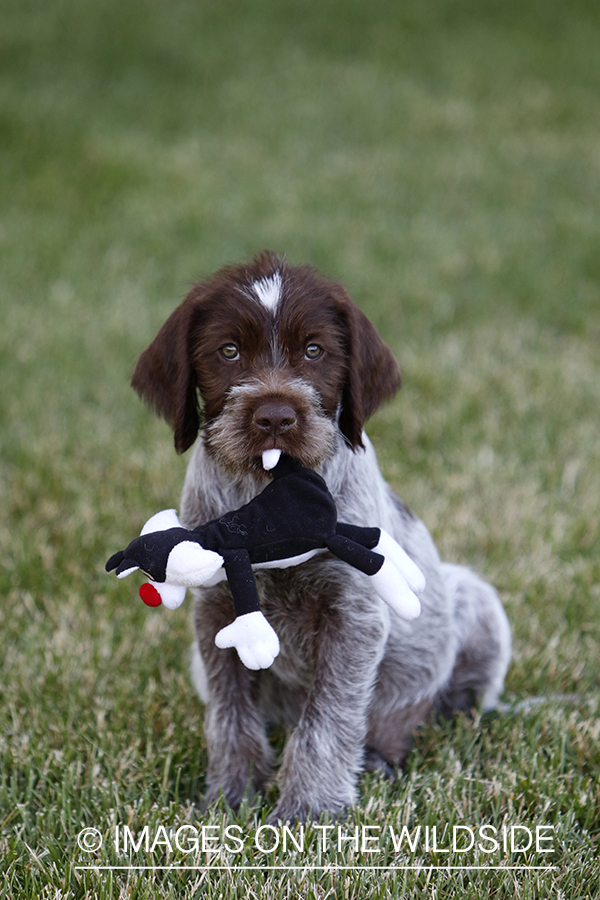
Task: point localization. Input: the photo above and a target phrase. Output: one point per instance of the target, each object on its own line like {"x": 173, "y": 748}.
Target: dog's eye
{"x": 230, "y": 351}
{"x": 313, "y": 351}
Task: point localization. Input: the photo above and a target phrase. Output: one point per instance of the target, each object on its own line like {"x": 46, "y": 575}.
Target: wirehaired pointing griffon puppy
{"x": 268, "y": 355}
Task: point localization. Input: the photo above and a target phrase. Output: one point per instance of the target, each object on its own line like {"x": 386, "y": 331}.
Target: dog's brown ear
{"x": 164, "y": 376}
{"x": 373, "y": 374}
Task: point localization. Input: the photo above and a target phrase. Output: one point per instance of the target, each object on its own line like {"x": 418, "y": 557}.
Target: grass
{"x": 440, "y": 158}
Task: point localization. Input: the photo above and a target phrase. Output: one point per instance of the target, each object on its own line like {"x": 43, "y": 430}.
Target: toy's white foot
{"x": 394, "y": 590}
{"x": 392, "y": 550}
{"x": 154, "y": 593}
{"x": 191, "y": 565}
{"x": 161, "y": 521}
{"x": 254, "y": 639}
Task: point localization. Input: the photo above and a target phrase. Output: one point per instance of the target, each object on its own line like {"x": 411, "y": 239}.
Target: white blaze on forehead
{"x": 268, "y": 290}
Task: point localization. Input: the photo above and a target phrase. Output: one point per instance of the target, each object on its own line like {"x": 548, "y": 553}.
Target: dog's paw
{"x": 291, "y": 810}
{"x": 376, "y": 763}
{"x": 309, "y": 791}
{"x": 288, "y": 813}
{"x": 232, "y": 789}
{"x": 254, "y": 639}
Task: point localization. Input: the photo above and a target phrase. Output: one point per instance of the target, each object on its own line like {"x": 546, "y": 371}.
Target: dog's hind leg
{"x": 483, "y": 657}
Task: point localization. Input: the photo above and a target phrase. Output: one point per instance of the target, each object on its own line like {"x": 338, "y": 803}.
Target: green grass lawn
{"x": 442, "y": 159}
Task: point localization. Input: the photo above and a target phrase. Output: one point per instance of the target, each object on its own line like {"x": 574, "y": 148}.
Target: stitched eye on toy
{"x": 313, "y": 351}
{"x": 230, "y": 352}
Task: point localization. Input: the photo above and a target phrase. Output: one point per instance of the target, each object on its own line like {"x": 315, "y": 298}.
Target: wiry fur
{"x": 352, "y": 680}
{"x": 229, "y": 435}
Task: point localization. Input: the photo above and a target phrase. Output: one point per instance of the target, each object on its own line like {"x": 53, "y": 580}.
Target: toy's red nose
{"x": 275, "y": 417}
{"x": 150, "y": 595}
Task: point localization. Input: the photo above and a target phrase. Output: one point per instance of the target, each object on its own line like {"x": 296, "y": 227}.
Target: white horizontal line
{"x": 327, "y": 868}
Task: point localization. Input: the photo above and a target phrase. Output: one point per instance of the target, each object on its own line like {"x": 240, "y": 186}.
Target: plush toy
{"x": 290, "y": 521}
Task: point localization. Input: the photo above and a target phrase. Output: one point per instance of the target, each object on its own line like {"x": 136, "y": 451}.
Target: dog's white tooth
{"x": 270, "y": 458}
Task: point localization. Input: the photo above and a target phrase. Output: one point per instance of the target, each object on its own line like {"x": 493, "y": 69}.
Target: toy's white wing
{"x": 191, "y": 564}
{"x": 392, "y": 550}
{"x": 398, "y": 578}
{"x": 393, "y": 588}
{"x": 161, "y": 521}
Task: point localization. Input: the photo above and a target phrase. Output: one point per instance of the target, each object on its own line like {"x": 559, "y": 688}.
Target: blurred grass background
{"x": 442, "y": 159}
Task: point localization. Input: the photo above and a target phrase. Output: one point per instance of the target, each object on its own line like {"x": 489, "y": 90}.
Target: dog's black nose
{"x": 275, "y": 417}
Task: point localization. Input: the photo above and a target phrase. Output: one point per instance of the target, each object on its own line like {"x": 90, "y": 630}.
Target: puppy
{"x": 268, "y": 355}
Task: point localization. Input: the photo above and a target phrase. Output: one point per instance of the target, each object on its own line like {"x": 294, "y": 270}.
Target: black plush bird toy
{"x": 291, "y": 520}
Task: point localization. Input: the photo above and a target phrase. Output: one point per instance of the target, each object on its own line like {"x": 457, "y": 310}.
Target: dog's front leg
{"x": 239, "y": 755}
{"x": 324, "y": 754}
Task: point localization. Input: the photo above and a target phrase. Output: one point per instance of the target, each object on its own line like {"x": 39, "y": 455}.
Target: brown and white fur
{"x": 270, "y": 355}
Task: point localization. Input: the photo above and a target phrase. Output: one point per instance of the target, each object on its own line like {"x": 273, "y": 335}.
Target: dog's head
{"x": 266, "y": 355}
